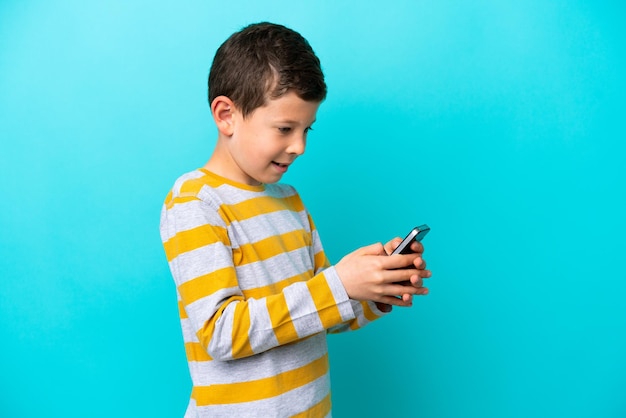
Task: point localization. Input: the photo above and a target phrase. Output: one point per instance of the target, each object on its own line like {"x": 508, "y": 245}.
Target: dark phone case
{"x": 416, "y": 234}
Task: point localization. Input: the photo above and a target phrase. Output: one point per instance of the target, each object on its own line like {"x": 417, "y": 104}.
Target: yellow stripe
{"x": 195, "y": 352}
{"x": 188, "y": 191}
{"x": 193, "y": 239}
{"x": 265, "y": 204}
{"x": 274, "y": 288}
{"x": 321, "y": 409}
{"x": 206, "y": 285}
{"x": 168, "y": 199}
{"x": 241, "y": 327}
{"x": 321, "y": 261}
{"x": 170, "y": 202}
{"x": 191, "y": 187}
{"x": 324, "y": 302}
{"x": 215, "y": 181}
{"x": 255, "y": 390}
{"x": 273, "y": 246}
{"x": 367, "y": 312}
{"x": 282, "y": 324}
{"x": 182, "y": 313}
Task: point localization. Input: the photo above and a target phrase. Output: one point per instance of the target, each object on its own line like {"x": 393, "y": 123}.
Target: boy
{"x": 256, "y": 292}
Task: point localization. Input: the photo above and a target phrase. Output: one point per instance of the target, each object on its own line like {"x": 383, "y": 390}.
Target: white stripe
{"x": 265, "y": 226}
{"x": 275, "y": 269}
{"x": 317, "y": 243}
{"x": 230, "y": 195}
{"x": 204, "y": 308}
{"x": 227, "y": 194}
{"x": 190, "y": 215}
{"x": 189, "y": 336}
{"x": 200, "y": 261}
{"x": 262, "y": 336}
{"x": 220, "y": 345}
{"x": 287, "y": 404}
{"x": 302, "y": 309}
{"x": 339, "y": 294}
{"x": 260, "y": 366}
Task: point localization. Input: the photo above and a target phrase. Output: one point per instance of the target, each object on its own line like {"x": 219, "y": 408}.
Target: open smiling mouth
{"x": 280, "y": 166}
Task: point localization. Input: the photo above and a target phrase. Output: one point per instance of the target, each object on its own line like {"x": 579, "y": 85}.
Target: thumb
{"x": 373, "y": 249}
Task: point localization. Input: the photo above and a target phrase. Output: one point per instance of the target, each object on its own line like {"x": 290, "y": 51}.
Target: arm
{"x": 364, "y": 311}
{"x": 227, "y": 324}
{"x": 367, "y": 311}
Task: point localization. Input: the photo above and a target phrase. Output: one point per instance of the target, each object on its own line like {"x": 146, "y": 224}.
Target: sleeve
{"x": 364, "y": 311}
{"x": 227, "y": 325}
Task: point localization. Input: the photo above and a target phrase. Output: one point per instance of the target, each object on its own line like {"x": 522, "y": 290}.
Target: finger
{"x": 401, "y": 275}
{"x": 395, "y": 301}
{"x": 419, "y": 291}
{"x": 424, "y": 274}
{"x": 372, "y": 249}
{"x": 400, "y": 289}
{"x": 417, "y": 247}
{"x": 391, "y": 245}
{"x": 420, "y": 263}
{"x": 417, "y": 281}
{"x": 399, "y": 261}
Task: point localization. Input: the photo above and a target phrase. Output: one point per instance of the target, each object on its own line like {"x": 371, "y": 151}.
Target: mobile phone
{"x": 416, "y": 234}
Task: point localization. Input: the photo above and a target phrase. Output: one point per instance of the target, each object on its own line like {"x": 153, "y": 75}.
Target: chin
{"x": 270, "y": 180}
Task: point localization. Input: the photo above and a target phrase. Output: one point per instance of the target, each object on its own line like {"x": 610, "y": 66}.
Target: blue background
{"x": 501, "y": 124}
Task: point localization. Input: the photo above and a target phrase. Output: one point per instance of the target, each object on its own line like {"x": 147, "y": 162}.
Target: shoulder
{"x": 189, "y": 183}
{"x": 281, "y": 190}
{"x": 193, "y": 186}
{"x": 286, "y": 193}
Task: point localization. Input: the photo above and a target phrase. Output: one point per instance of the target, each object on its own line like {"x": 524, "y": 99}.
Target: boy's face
{"x": 265, "y": 143}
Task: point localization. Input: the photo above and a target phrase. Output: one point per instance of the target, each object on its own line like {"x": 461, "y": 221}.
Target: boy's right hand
{"x": 370, "y": 274}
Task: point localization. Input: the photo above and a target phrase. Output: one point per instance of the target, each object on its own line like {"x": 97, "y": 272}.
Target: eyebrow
{"x": 295, "y": 122}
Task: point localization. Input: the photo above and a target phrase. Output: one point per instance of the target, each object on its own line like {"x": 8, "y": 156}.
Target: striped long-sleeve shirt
{"x": 256, "y": 298}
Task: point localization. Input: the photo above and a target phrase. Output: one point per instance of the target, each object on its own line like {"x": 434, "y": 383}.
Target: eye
{"x": 284, "y": 130}
{"x": 309, "y": 129}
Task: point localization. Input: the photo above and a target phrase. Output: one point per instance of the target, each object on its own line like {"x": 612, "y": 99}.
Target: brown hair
{"x": 264, "y": 61}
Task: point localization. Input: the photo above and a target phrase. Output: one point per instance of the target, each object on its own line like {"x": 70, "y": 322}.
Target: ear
{"x": 223, "y": 109}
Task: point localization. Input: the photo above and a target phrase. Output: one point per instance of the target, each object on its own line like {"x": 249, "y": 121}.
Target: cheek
{"x": 257, "y": 153}
{"x": 265, "y": 147}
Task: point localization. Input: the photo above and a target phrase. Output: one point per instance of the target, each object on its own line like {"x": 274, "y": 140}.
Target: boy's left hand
{"x": 420, "y": 264}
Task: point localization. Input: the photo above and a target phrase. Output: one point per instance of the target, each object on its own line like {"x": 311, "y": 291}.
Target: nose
{"x": 297, "y": 145}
